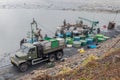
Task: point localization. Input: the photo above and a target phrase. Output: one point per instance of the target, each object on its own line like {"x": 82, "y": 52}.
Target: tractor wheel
{"x": 51, "y": 58}
{"x": 59, "y": 55}
{"x": 23, "y": 67}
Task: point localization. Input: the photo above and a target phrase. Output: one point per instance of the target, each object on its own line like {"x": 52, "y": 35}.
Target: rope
{"x": 44, "y": 28}
{"x": 115, "y": 16}
{"x": 114, "y": 44}
{"x": 34, "y": 22}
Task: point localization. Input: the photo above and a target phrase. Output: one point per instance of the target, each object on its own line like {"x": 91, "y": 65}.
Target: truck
{"x": 34, "y": 53}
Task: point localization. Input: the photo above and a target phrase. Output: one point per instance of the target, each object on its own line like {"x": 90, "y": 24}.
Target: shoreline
{"x": 70, "y": 9}
{"x": 86, "y": 7}
{"x": 93, "y": 10}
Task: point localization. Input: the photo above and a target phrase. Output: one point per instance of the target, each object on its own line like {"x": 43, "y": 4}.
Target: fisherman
{"x": 22, "y": 41}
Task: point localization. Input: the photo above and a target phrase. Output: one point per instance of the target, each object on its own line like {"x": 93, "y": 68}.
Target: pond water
{"x": 15, "y": 23}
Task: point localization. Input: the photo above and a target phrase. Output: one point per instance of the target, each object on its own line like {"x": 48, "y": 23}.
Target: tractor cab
{"x": 27, "y": 51}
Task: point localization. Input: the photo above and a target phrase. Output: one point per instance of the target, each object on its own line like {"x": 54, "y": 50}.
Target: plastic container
{"x": 90, "y": 35}
{"x": 69, "y": 45}
{"x": 69, "y": 40}
{"x": 106, "y": 38}
{"x": 100, "y": 39}
{"x": 82, "y": 51}
{"x": 89, "y": 41}
{"x": 92, "y": 46}
{"x": 99, "y": 36}
{"x": 61, "y": 41}
{"x": 68, "y": 34}
{"x": 60, "y": 35}
{"x": 82, "y": 37}
{"x": 30, "y": 40}
{"x": 76, "y": 44}
{"x": 76, "y": 38}
{"x": 83, "y": 42}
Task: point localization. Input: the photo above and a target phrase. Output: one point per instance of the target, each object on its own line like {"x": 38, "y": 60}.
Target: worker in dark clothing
{"x": 68, "y": 26}
{"x": 75, "y": 28}
{"x": 81, "y": 23}
{"x": 64, "y": 22}
{"x": 46, "y": 36}
{"x": 86, "y": 32}
{"x": 98, "y": 30}
{"x": 56, "y": 34}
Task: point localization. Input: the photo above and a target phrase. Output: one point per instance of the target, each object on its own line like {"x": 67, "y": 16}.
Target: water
{"x": 15, "y": 23}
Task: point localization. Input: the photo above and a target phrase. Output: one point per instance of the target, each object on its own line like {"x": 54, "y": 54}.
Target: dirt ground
{"x": 72, "y": 63}
{"x": 72, "y": 59}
